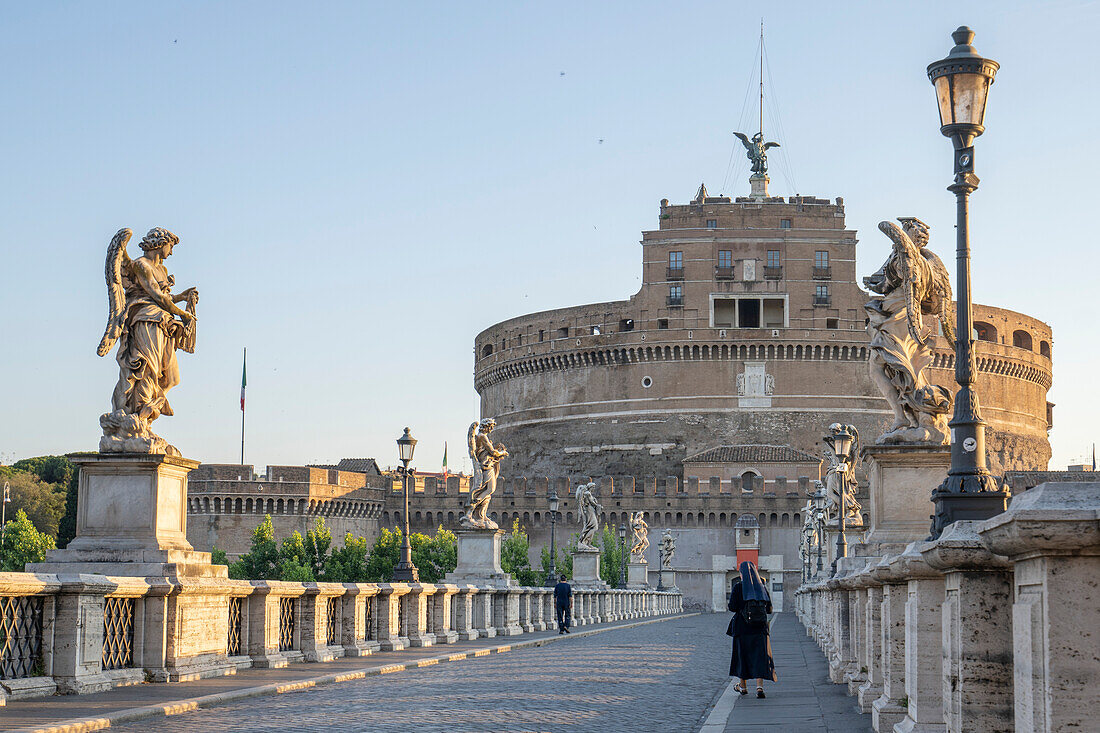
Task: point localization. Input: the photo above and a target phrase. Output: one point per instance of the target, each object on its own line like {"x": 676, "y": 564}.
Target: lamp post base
{"x": 404, "y": 572}
{"x": 967, "y": 496}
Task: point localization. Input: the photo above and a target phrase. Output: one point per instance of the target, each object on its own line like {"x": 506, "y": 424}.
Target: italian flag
{"x": 444, "y": 459}
{"x": 244, "y": 377}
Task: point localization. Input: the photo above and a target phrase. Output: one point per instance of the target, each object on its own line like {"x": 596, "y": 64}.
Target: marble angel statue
{"x": 640, "y": 541}
{"x": 667, "y": 549}
{"x": 840, "y": 480}
{"x": 149, "y": 327}
{"x": 915, "y": 298}
{"x": 485, "y": 457}
{"x": 588, "y": 512}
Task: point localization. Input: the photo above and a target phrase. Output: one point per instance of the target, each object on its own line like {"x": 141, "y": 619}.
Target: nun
{"x": 752, "y": 649}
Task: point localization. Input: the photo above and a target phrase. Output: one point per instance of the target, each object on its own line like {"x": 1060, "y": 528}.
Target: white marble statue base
{"x": 637, "y": 574}
{"x": 586, "y": 569}
{"x": 479, "y": 559}
{"x": 901, "y": 481}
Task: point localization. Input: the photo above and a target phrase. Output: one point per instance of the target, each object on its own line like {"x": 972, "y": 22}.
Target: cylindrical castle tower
{"x": 748, "y": 328}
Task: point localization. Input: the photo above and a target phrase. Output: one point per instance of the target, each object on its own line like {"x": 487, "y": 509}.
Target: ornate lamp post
{"x": 841, "y": 439}
{"x": 962, "y": 82}
{"x": 552, "y": 578}
{"x": 405, "y": 571}
{"x": 819, "y": 520}
{"x": 622, "y": 555}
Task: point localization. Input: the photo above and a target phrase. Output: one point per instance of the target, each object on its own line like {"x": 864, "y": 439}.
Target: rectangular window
{"x": 774, "y": 313}
{"x": 832, "y": 323}
{"x": 712, "y": 223}
{"x": 519, "y": 339}
{"x": 748, "y": 313}
{"x": 676, "y": 292}
{"x": 542, "y": 335}
{"x": 725, "y": 312}
{"x": 563, "y": 332}
{"x": 822, "y": 291}
{"x": 773, "y": 258}
{"x": 821, "y": 258}
{"x": 725, "y": 258}
{"x": 675, "y": 260}
{"x": 662, "y": 324}
{"x": 784, "y": 223}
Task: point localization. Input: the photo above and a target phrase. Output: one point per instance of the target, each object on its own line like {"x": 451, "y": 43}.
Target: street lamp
{"x": 4, "y": 514}
{"x": 553, "y": 501}
{"x": 622, "y": 555}
{"x": 840, "y": 439}
{"x": 819, "y": 518}
{"x": 405, "y": 571}
{"x": 962, "y": 82}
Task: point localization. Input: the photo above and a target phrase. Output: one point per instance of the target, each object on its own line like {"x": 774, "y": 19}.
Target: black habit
{"x": 752, "y": 648}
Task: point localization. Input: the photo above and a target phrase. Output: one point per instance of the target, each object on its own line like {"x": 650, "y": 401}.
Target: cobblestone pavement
{"x": 803, "y": 700}
{"x": 659, "y": 677}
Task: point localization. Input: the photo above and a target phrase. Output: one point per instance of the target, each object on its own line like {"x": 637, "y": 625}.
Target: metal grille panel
{"x": 21, "y": 637}
{"x": 286, "y": 624}
{"x": 368, "y": 625}
{"x": 233, "y": 648}
{"x": 118, "y": 633}
{"x": 331, "y": 630}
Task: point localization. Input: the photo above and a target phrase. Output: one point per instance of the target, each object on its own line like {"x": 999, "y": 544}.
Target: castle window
{"x": 519, "y": 339}
{"x": 985, "y": 332}
{"x": 563, "y": 332}
{"x": 676, "y": 260}
{"x": 773, "y": 258}
{"x": 784, "y": 223}
{"x": 821, "y": 295}
{"x": 662, "y": 323}
{"x": 712, "y": 223}
{"x": 832, "y": 323}
{"x": 626, "y": 324}
{"x": 542, "y": 335}
{"x": 1044, "y": 349}
{"x": 596, "y": 331}
{"x": 1021, "y": 340}
{"x": 748, "y": 313}
{"x": 675, "y": 295}
{"x": 487, "y": 350}
{"x": 821, "y": 258}
{"x": 725, "y": 258}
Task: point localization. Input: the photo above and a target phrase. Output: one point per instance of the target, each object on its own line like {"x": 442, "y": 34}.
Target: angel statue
{"x": 667, "y": 549}
{"x": 840, "y": 479}
{"x": 640, "y": 542}
{"x": 485, "y": 458}
{"x": 148, "y": 326}
{"x": 913, "y": 283}
{"x": 588, "y": 511}
{"x": 757, "y": 151}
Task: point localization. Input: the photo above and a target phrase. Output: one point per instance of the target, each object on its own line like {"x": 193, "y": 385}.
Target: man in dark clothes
{"x": 752, "y": 648}
{"x": 563, "y": 603}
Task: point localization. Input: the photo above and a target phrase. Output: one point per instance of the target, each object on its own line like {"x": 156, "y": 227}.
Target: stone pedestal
{"x": 758, "y": 185}
{"x": 479, "y": 559}
{"x": 666, "y": 579}
{"x": 131, "y": 520}
{"x": 586, "y": 569}
{"x": 1051, "y": 533}
{"x": 977, "y": 631}
{"x": 923, "y": 645}
{"x": 902, "y": 478}
{"x": 888, "y": 709}
{"x": 637, "y": 574}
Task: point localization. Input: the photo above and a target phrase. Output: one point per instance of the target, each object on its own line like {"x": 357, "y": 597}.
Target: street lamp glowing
{"x": 406, "y": 444}
{"x": 962, "y": 82}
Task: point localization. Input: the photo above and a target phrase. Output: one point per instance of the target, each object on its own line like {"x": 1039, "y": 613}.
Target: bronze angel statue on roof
{"x": 915, "y": 305}
{"x": 757, "y": 151}
{"x": 148, "y": 327}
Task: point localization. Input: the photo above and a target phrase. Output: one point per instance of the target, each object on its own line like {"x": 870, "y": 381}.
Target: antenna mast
{"x": 761, "y": 76}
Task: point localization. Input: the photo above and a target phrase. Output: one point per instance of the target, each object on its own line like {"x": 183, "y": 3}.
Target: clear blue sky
{"x": 361, "y": 188}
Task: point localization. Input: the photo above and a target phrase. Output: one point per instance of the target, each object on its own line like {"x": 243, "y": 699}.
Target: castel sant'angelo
{"x": 700, "y": 401}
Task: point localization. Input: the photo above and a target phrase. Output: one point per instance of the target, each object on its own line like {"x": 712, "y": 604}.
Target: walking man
{"x": 563, "y": 604}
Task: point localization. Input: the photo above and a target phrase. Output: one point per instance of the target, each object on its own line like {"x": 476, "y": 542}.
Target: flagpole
{"x": 244, "y": 381}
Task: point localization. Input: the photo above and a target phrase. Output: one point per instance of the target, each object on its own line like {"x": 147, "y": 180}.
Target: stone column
{"x": 871, "y": 689}
{"x": 78, "y": 632}
{"x": 391, "y": 630}
{"x": 483, "y": 613}
{"x": 1051, "y": 533}
{"x": 977, "y": 631}
{"x": 416, "y": 614}
{"x": 442, "y": 614}
{"x": 465, "y": 613}
{"x": 355, "y": 634}
{"x": 889, "y": 709}
{"x": 857, "y": 615}
{"x": 923, "y": 644}
{"x": 840, "y": 658}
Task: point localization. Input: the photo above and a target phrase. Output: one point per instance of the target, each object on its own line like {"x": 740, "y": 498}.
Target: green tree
{"x": 378, "y": 567}
{"x": 318, "y": 543}
{"x": 564, "y": 565}
{"x": 294, "y": 562}
{"x": 23, "y": 543}
{"x": 218, "y": 557}
{"x": 42, "y": 502}
{"x": 434, "y": 557}
{"x": 261, "y": 562}
{"x": 48, "y": 469}
{"x": 348, "y": 564}
{"x": 611, "y": 558}
{"x": 515, "y": 556}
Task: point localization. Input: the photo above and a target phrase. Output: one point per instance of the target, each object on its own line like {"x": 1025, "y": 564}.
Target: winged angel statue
{"x": 757, "y": 151}
{"x": 913, "y": 283}
{"x": 148, "y": 327}
{"x": 486, "y": 459}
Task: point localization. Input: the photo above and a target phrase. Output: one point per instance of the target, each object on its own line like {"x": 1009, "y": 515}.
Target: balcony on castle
{"x": 823, "y": 273}
{"x": 773, "y": 273}
{"x": 822, "y": 300}
{"x": 723, "y": 273}
{"x": 675, "y": 301}
{"x": 674, "y": 273}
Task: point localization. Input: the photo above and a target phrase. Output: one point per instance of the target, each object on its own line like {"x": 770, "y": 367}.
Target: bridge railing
{"x": 88, "y": 633}
{"x": 991, "y": 627}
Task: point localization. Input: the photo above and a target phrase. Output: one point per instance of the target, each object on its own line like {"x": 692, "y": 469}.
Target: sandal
{"x": 760, "y": 692}
{"x": 741, "y": 690}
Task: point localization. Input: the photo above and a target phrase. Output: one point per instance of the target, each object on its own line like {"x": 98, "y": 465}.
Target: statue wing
{"x": 744, "y": 141}
{"x": 907, "y": 258}
{"x": 471, "y": 441}
{"x": 770, "y": 145}
{"x": 118, "y": 262}
{"x": 941, "y": 284}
